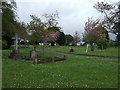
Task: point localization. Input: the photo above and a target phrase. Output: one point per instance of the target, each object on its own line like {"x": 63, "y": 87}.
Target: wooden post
{"x": 65, "y": 57}
{"x": 35, "y": 60}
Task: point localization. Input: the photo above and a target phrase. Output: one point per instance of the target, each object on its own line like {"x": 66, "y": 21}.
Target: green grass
{"x": 81, "y": 50}
{"x": 75, "y": 72}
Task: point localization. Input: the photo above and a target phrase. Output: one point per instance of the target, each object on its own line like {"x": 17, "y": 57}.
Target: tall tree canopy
{"x": 43, "y": 29}
{"x": 8, "y": 23}
{"x": 111, "y": 14}
{"x": 61, "y": 40}
{"x": 69, "y": 39}
{"x": 94, "y": 32}
{"x": 36, "y": 27}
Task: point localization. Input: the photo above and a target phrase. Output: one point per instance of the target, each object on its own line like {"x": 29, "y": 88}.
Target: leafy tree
{"x": 103, "y": 37}
{"x": 69, "y": 39}
{"x": 36, "y": 28}
{"x": 22, "y": 31}
{"x": 41, "y": 29}
{"x": 94, "y": 32}
{"x": 51, "y": 24}
{"x": 61, "y": 40}
{"x": 116, "y": 27}
{"x": 8, "y": 22}
{"x": 111, "y": 13}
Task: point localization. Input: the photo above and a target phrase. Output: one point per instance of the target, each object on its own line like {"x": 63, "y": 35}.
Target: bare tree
{"x": 76, "y": 37}
{"x": 51, "y": 20}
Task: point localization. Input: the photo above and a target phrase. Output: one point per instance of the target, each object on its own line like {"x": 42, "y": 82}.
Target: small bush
{"x": 111, "y": 43}
{"x": 102, "y": 44}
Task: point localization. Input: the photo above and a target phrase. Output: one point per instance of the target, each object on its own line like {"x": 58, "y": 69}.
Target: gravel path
{"x": 59, "y": 53}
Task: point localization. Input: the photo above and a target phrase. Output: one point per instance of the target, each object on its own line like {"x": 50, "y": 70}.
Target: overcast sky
{"x": 73, "y": 13}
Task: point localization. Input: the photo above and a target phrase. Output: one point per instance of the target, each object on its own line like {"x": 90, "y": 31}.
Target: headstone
{"x": 71, "y": 50}
{"x": 33, "y": 54}
{"x": 55, "y": 44}
{"x": 42, "y": 44}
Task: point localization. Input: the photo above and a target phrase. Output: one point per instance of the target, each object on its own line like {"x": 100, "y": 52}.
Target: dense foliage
{"x": 44, "y": 31}
{"x": 61, "y": 40}
{"x": 8, "y": 23}
{"x": 111, "y": 17}
{"x": 69, "y": 39}
{"x": 95, "y": 33}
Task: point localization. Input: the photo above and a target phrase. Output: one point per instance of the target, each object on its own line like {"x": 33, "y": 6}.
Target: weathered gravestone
{"x": 71, "y": 50}
{"x": 33, "y": 54}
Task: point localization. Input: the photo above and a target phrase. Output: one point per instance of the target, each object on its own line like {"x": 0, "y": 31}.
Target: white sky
{"x": 73, "y": 13}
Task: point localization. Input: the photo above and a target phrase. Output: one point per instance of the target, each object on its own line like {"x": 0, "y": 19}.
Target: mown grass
{"x": 75, "y": 72}
{"x": 81, "y": 50}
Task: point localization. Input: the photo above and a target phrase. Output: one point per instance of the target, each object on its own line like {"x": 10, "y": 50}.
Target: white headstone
{"x": 33, "y": 54}
{"x": 39, "y": 43}
{"x": 42, "y": 44}
{"x": 55, "y": 44}
{"x": 87, "y": 48}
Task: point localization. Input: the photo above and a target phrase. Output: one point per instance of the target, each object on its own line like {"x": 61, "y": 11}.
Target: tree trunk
{"x": 52, "y": 43}
{"x": 25, "y": 43}
{"x": 92, "y": 48}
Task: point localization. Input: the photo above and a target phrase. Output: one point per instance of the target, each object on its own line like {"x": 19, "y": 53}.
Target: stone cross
{"x": 16, "y": 42}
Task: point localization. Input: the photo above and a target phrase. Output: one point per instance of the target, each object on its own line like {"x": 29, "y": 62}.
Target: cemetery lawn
{"x": 111, "y": 52}
{"x": 75, "y": 72}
